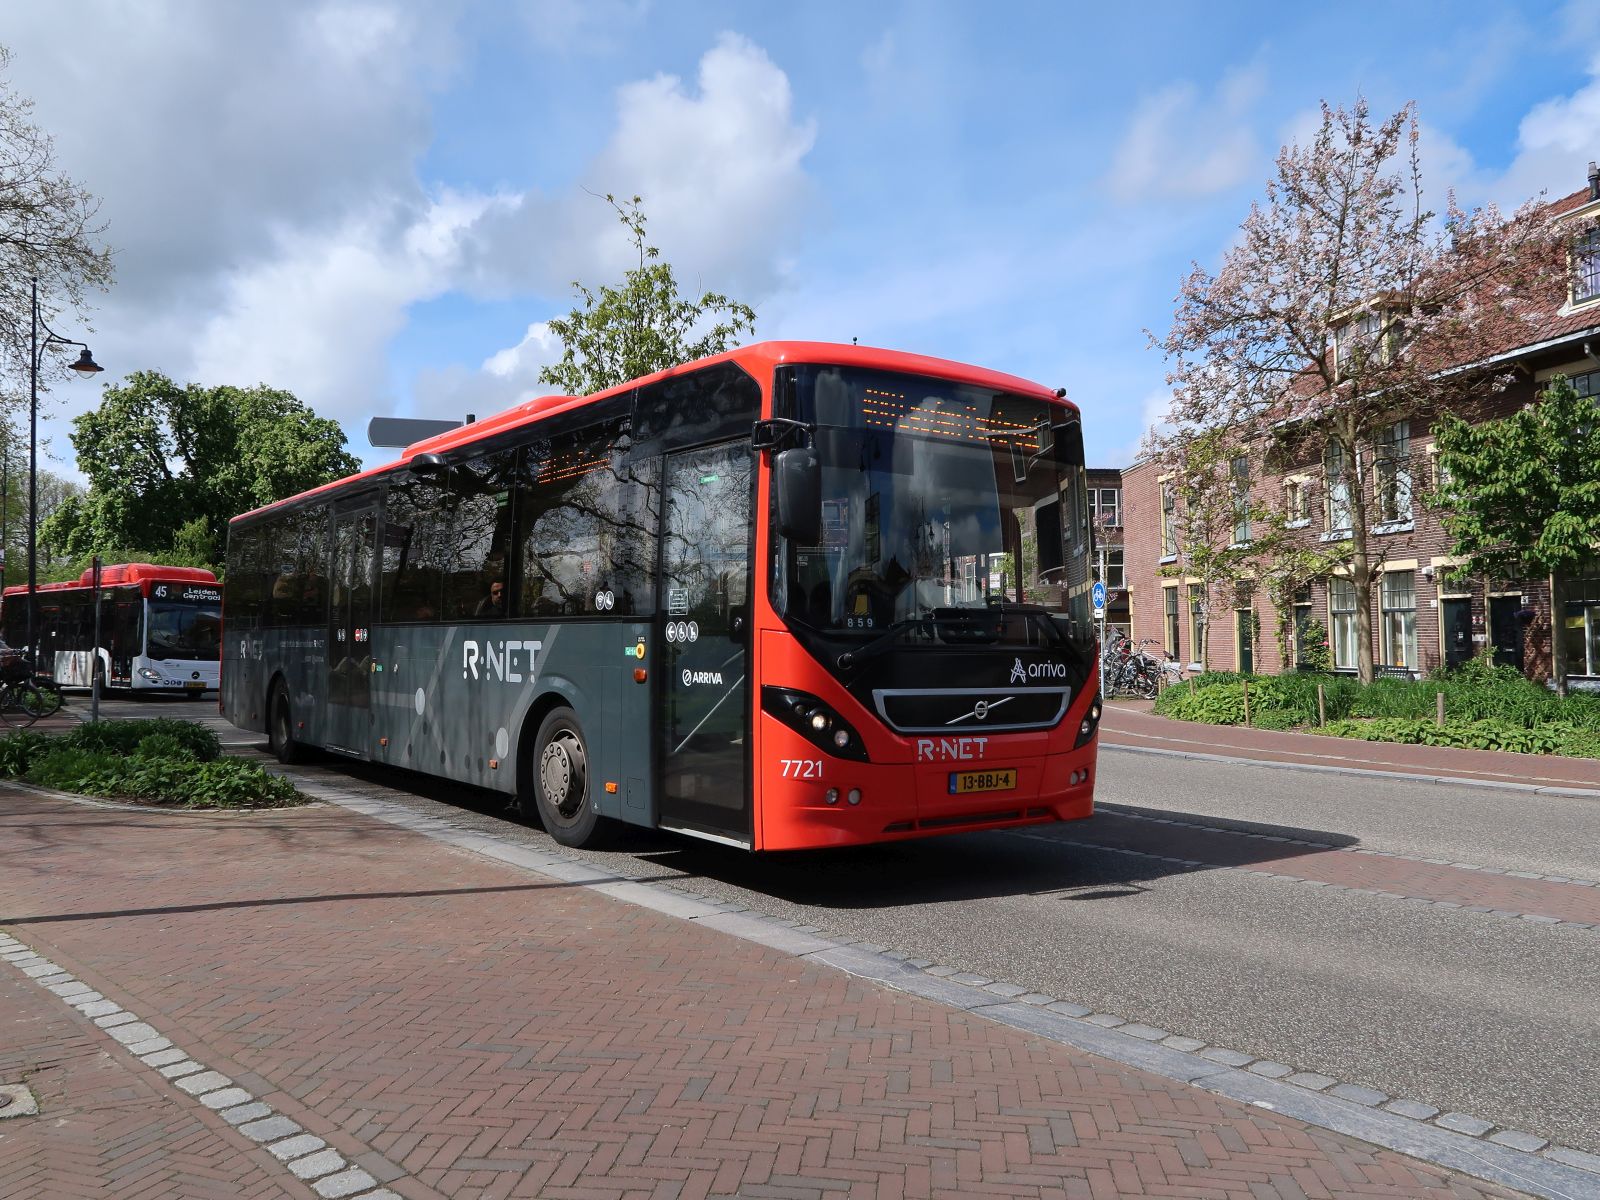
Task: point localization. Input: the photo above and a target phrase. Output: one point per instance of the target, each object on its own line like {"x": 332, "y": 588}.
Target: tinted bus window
{"x": 588, "y": 522}
{"x": 701, "y": 406}
{"x": 416, "y": 549}
{"x": 479, "y": 574}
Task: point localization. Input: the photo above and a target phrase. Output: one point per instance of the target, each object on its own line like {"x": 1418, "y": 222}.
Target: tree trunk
{"x": 1360, "y": 565}
{"x": 1558, "y": 632}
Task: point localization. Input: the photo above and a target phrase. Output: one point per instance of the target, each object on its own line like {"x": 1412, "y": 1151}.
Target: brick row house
{"x": 1424, "y": 612}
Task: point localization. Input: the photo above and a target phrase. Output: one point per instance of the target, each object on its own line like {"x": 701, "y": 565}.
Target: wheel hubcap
{"x": 561, "y": 772}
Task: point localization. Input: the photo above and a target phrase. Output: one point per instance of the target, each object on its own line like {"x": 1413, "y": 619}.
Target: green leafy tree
{"x": 1521, "y": 495}
{"x": 169, "y": 465}
{"x": 643, "y": 326}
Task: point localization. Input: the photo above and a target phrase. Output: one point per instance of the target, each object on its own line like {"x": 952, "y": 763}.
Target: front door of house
{"x": 1455, "y": 616}
{"x": 1505, "y": 631}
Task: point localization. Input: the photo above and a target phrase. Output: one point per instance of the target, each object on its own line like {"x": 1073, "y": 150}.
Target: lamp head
{"x": 86, "y": 364}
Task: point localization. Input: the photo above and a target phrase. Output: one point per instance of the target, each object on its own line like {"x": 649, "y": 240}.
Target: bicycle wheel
{"x": 50, "y": 698}
{"x": 1146, "y": 683}
{"x": 12, "y": 711}
{"x": 38, "y": 701}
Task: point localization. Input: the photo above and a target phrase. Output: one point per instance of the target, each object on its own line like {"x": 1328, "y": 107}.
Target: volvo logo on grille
{"x": 981, "y": 709}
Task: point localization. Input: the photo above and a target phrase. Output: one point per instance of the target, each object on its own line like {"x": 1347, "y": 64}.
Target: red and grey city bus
{"x": 160, "y": 628}
{"x": 795, "y": 595}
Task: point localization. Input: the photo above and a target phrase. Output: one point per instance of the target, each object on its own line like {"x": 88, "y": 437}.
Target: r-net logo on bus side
{"x": 500, "y": 662}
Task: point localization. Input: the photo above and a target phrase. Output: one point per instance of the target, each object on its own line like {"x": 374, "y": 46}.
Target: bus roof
{"x": 124, "y": 573}
{"x": 759, "y": 359}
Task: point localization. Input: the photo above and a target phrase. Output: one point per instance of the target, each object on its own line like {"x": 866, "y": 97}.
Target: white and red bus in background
{"x": 160, "y": 628}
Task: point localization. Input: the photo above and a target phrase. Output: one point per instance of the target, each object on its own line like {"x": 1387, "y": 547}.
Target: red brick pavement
{"x": 1133, "y": 725}
{"x": 489, "y": 1031}
{"x": 108, "y": 1125}
{"x": 1403, "y": 876}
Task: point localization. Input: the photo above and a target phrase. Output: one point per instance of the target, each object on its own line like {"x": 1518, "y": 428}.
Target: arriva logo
{"x": 499, "y": 661}
{"x": 1037, "y": 670}
{"x": 690, "y": 678}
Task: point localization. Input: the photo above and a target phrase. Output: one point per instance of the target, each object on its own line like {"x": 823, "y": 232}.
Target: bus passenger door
{"x": 350, "y": 632}
{"x": 703, "y": 647}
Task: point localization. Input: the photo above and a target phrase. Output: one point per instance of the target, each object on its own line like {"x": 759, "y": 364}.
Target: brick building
{"x": 1423, "y": 614}
{"x": 1105, "y": 507}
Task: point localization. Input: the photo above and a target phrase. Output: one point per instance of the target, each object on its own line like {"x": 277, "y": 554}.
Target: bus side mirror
{"x": 797, "y": 476}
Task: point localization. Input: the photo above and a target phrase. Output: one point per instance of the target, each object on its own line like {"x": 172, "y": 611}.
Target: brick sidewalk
{"x": 461, "y": 1028}
{"x": 1134, "y": 725}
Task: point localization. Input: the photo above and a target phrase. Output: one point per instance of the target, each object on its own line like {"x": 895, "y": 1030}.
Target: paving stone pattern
{"x": 454, "y": 1027}
{"x": 1382, "y": 873}
{"x": 109, "y": 1126}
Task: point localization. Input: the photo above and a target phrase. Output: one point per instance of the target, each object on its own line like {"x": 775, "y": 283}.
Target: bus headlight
{"x": 813, "y": 720}
{"x": 149, "y": 675}
{"x": 1090, "y": 722}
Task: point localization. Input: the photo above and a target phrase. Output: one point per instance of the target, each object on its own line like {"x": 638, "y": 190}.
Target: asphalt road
{"x": 1462, "y": 1010}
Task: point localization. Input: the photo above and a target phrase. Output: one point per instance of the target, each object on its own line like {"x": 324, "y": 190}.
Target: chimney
{"x": 1594, "y": 181}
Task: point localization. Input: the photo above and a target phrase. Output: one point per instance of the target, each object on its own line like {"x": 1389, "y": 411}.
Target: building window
{"x": 1115, "y": 578}
{"x": 1295, "y": 503}
{"x": 1336, "y": 488}
{"x": 1105, "y": 505}
{"x": 1169, "y": 597}
{"x": 1355, "y": 341}
{"x": 1582, "y": 620}
{"x": 1240, "y": 470}
{"x": 1392, "y": 462}
{"x": 1398, "y": 603}
{"x": 1197, "y": 623}
{"x": 1586, "y": 266}
{"x": 1342, "y": 611}
{"x": 1169, "y": 520}
{"x": 1587, "y": 384}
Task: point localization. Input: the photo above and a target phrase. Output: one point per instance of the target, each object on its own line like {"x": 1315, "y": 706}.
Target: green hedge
{"x": 159, "y": 761}
{"x": 1486, "y": 707}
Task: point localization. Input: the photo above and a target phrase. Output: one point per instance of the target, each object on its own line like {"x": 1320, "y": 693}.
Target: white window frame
{"x": 1343, "y": 630}
{"x": 1398, "y": 622}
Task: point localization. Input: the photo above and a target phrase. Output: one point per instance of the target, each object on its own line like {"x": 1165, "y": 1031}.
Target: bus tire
{"x": 561, "y": 780}
{"x": 280, "y": 728}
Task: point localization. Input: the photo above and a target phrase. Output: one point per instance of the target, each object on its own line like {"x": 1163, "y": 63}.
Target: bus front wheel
{"x": 561, "y": 780}
{"x": 280, "y": 728}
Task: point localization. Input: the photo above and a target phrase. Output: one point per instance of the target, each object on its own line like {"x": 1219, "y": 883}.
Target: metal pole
{"x": 5, "y": 503}
{"x": 33, "y": 488}
{"x": 94, "y": 658}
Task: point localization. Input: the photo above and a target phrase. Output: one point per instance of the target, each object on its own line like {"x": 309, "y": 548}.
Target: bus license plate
{"x": 196, "y": 687}
{"x": 1004, "y": 780}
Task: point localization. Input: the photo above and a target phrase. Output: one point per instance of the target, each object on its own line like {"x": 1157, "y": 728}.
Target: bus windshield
{"x": 937, "y": 499}
{"x": 184, "y": 630}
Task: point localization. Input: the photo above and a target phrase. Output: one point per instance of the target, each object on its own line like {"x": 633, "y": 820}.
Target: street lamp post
{"x": 85, "y": 366}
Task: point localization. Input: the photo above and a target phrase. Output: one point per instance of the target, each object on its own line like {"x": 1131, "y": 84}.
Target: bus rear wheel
{"x": 561, "y": 780}
{"x": 280, "y": 728}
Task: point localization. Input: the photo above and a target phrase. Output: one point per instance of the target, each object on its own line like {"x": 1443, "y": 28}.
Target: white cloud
{"x": 719, "y": 169}
{"x": 1556, "y": 141}
{"x": 1181, "y": 144}
{"x": 262, "y": 174}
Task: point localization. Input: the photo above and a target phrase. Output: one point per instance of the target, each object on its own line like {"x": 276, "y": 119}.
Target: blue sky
{"x": 378, "y": 204}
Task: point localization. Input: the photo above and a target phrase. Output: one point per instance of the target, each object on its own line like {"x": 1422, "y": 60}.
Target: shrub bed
{"x": 159, "y": 761}
{"x": 1486, "y": 708}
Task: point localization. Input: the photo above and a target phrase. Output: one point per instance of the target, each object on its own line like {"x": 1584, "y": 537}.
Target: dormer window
{"x": 1355, "y": 342}
{"x": 1586, "y": 266}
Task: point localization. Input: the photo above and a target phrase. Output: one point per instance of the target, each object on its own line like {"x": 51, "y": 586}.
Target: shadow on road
{"x": 1116, "y": 855}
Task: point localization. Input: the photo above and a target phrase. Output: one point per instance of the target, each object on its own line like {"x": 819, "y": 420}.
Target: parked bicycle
{"x": 23, "y": 697}
{"x": 1129, "y": 669}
